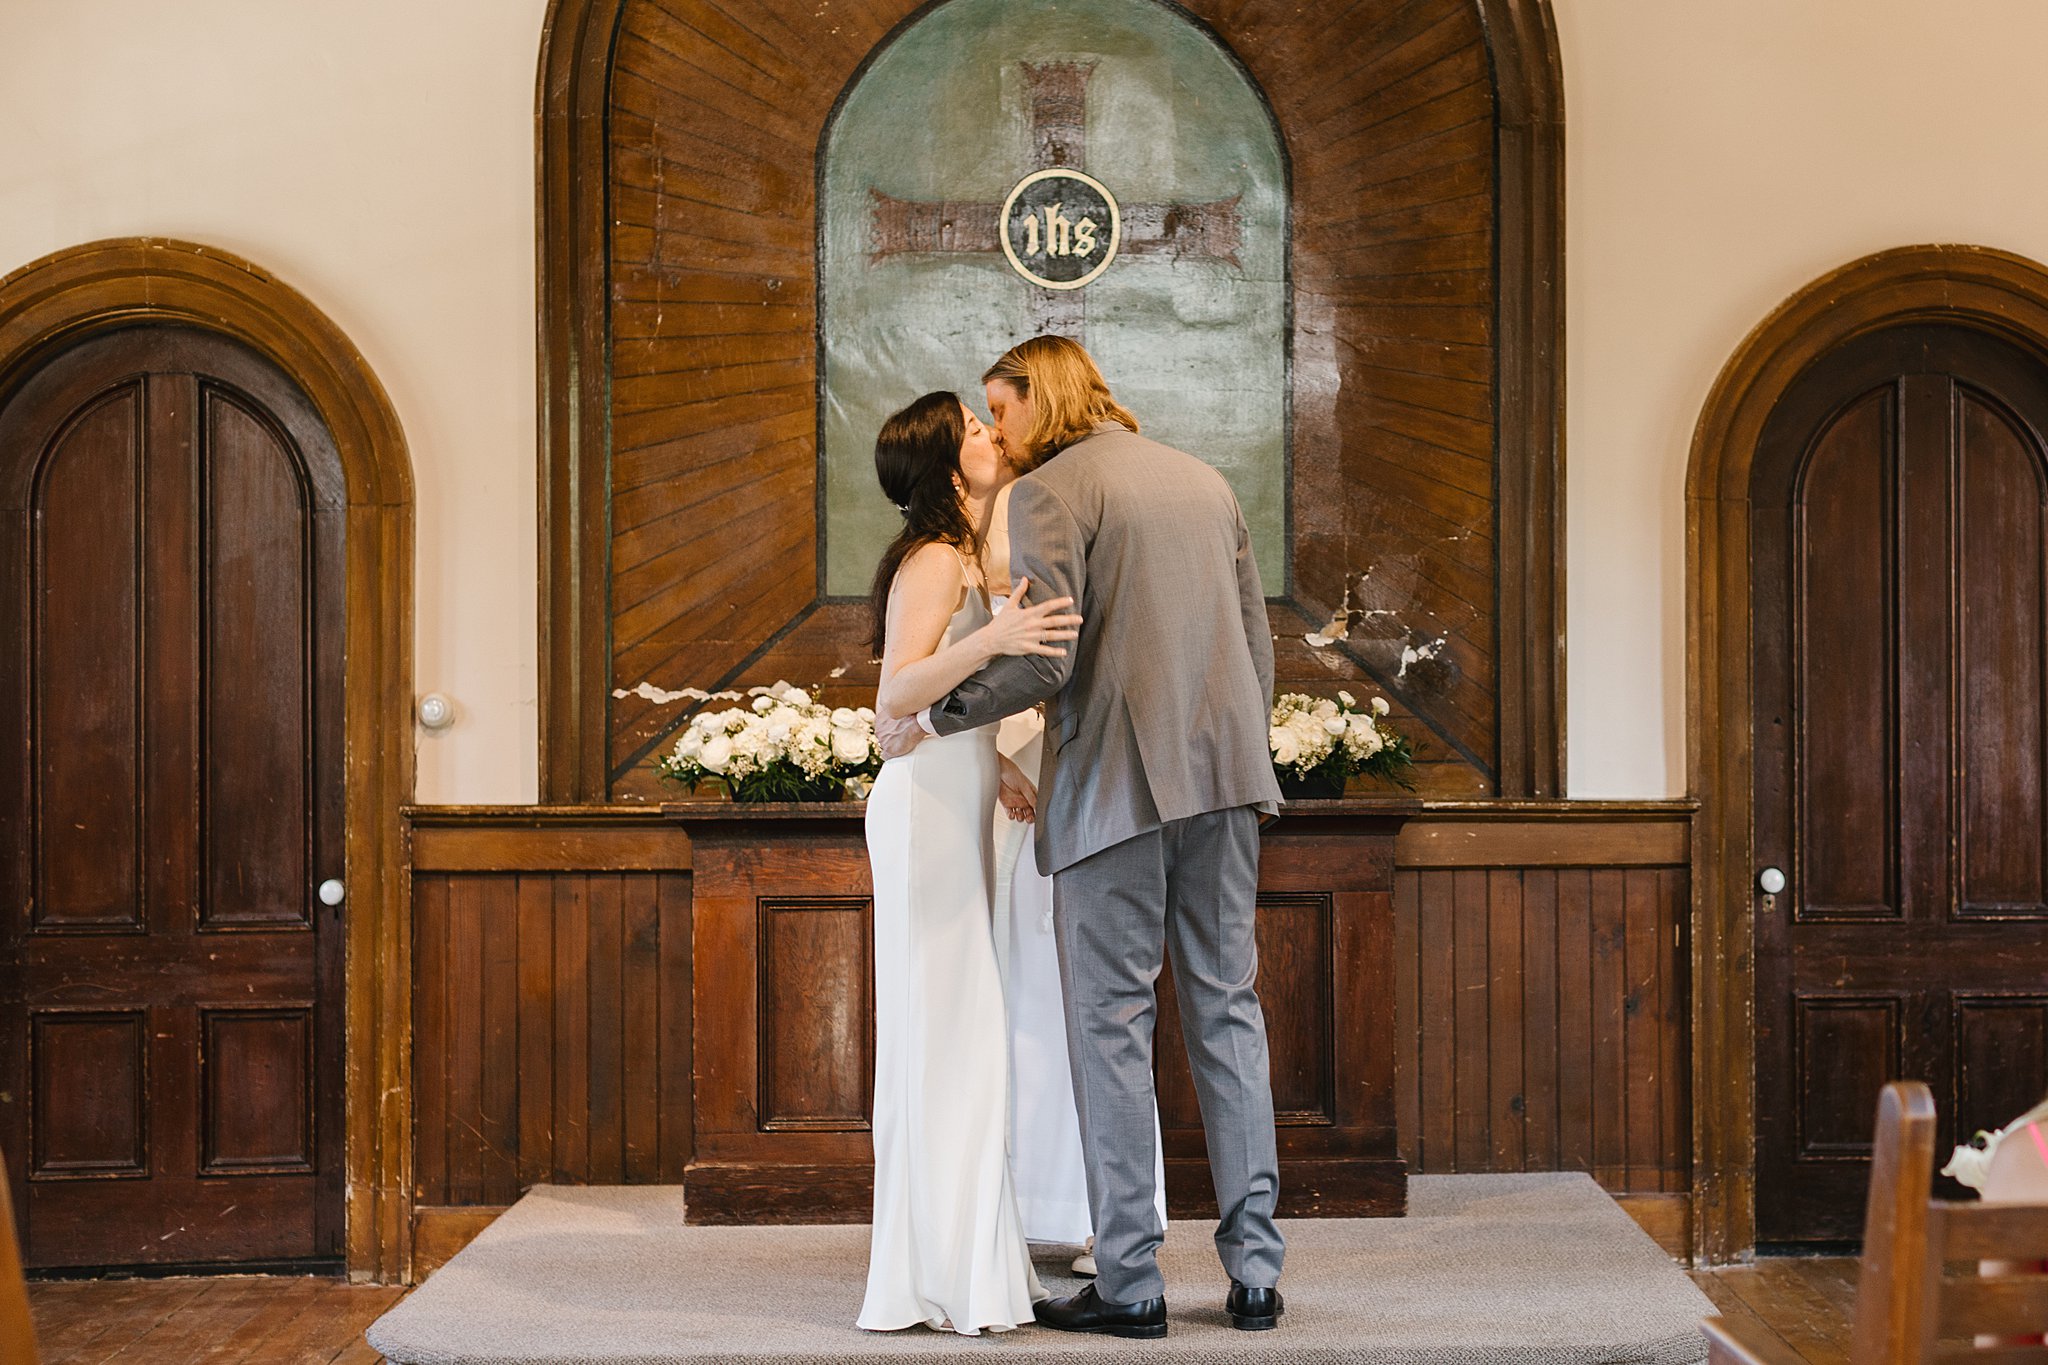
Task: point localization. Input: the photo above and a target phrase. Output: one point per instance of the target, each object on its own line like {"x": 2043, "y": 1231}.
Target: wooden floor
{"x": 238, "y": 1320}
{"x": 1804, "y": 1300}
{"x": 224, "y": 1320}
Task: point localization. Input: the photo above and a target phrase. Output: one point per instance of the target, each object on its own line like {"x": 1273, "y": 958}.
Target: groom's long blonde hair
{"x": 1068, "y": 394}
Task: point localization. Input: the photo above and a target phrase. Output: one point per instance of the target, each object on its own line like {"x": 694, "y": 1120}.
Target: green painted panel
{"x": 1188, "y": 319}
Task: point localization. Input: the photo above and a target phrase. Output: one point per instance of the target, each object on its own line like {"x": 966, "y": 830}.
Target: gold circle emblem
{"x": 1060, "y": 228}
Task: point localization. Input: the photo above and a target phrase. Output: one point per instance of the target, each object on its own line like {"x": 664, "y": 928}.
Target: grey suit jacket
{"x": 1161, "y": 709}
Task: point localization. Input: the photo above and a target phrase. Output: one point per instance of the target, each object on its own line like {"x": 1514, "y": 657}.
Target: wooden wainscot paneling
{"x": 1530, "y": 1015}
{"x": 1541, "y": 994}
{"x": 550, "y": 1007}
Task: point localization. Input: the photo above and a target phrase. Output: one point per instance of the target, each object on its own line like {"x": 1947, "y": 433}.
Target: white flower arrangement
{"x": 784, "y": 746}
{"x": 1319, "y": 743}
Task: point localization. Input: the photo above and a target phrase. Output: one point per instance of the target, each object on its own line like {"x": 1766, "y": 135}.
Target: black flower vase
{"x": 1319, "y": 785}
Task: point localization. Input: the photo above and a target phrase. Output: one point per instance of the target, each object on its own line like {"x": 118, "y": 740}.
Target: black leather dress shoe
{"x": 1086, "y": 1312}
{"x": 1254, "y": 1310}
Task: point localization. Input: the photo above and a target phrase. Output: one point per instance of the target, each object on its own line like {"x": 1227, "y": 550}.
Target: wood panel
{"x": 223, "y": 1319}
{"x": 551, "y": 1042}
{"x": 1540, "y": 997}
{"x": 1538, "y": 1006}
{"x": 679, "y": 224}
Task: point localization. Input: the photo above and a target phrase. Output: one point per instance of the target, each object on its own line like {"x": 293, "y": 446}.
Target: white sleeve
{"x": 924, "y": 722}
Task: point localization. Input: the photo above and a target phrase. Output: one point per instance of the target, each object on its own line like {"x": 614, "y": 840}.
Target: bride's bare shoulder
{"x": 930, "y": 574}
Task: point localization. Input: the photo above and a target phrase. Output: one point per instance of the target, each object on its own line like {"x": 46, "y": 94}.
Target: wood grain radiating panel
{"x": 714, "y": 114}
{"x": 817, "y": 1048}
{"x": 255, "y": 1086}
{"x": 90, "y": 1071}
{"x": 85, "y": 666}
{"x": 254, "y": 670}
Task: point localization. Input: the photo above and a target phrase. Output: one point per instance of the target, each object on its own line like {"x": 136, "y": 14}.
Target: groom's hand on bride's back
{"x": 897, "y": 735}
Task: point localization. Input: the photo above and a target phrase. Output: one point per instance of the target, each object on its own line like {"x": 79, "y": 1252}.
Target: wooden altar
{"x": 783, "y": 1015}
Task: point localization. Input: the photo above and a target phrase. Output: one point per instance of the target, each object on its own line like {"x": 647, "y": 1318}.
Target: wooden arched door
{"x": 1899, "y": 596}
{"x": 171, "y": 554}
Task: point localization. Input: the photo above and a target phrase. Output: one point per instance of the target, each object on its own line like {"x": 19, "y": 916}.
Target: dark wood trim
{"x": 439, "y": 1232}
{"x": 87, "y": 290}
{"x": 2000, "y": 293}
{"x": 1550, "y": 842}
{"x": 575, "y": 368}
{"x": 574, "y": 372}
{"x": 545, "y": 839}
{"x": 1528, "y": 78}
{"x": 1666, "y": 1217}
{"x": 444, "y": 849}
{"x": 1444, "y": 834}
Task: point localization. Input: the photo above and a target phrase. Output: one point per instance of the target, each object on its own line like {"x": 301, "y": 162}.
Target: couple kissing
{"x": 1054, "y": 557}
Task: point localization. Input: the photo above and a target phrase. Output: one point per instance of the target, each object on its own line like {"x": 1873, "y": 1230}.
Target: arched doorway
{"x": 199, "y": 451}
{"x": 1868, "y": 607}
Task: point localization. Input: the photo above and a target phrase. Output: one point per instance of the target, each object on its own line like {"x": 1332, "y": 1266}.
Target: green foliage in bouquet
{"x": 1319, "y": 744}
{"x": 785, "y": 746}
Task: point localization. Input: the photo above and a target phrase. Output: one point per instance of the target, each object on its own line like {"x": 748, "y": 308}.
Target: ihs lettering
{"x": 1060, "y": 236}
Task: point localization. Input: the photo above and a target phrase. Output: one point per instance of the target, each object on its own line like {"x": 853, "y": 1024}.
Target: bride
{"x": 948, "y": 1246}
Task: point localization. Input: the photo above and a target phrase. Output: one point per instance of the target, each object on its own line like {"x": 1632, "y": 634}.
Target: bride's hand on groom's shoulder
{"x": 1034, "y": 629}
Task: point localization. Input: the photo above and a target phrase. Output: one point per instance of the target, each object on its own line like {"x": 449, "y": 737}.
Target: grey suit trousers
{"x": 1189, "y": 887}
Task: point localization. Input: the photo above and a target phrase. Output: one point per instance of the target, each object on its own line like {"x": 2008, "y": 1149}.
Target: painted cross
{"x": 1059, "y": 104}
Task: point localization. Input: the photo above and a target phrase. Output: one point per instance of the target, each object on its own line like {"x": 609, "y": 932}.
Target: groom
{"x": 1157, "y": 769}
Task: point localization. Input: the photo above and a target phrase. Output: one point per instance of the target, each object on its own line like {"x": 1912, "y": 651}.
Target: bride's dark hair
{"x": 917, "y": 455}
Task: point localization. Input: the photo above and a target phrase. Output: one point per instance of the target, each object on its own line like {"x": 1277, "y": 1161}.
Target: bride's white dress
{"x": 1045, "y": 1129}
{"x": 948, "y": 1245}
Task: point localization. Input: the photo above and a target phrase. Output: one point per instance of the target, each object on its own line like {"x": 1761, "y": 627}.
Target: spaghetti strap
{"x": 974, "y": 585}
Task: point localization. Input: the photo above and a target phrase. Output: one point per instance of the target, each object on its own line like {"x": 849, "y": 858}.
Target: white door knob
{"x": 331, "y": 891}
{"x": 1771, "y": 880}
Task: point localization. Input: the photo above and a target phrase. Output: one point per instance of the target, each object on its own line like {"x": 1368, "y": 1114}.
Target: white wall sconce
{"x": 436, "y": 712}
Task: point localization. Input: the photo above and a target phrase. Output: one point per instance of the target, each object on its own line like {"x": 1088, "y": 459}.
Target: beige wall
{"x": 378, "y": 155}
{"x": 1720, "y": 155}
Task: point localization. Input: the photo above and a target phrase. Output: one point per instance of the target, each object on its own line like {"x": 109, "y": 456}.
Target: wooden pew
{"x": 17, "y": 1329}
{"x": 1920, "y": 1296}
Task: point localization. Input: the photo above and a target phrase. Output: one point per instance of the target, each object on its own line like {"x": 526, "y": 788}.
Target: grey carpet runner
{"x": 1485, "y": 1269}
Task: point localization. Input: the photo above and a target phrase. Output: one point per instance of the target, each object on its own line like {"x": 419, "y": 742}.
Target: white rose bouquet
{"x": 1319, "y": 744}
{"x": 785, "y": 746}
